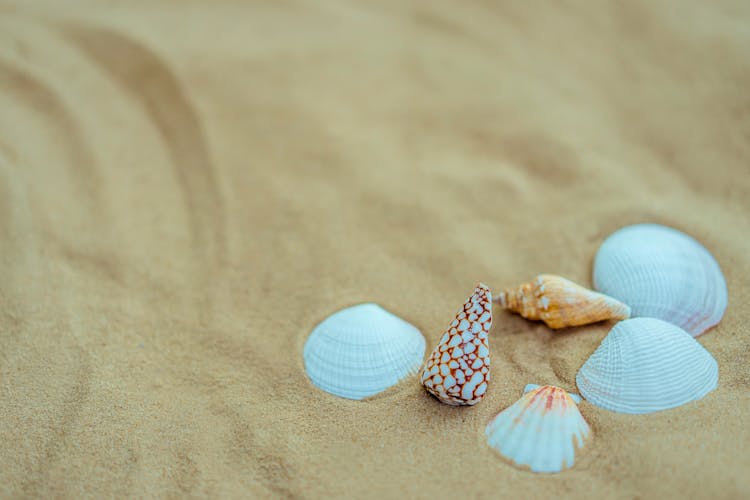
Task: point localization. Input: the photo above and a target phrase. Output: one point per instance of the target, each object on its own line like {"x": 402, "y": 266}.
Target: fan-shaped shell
{"x": 361, "y": 351}
{"x": 542, "y": 431}
{"x": 645, "y": 365}
{"x": 662, "y": 273}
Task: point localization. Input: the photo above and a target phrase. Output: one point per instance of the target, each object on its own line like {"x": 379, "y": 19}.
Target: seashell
{"x": 542, "y": 431}
{"x": 645, "y": 365}
{"x": 361, "y": 351}
{"x": 458, "y": 370}
{"x": 662, "y": 273}
{"x": 560, "y": 302}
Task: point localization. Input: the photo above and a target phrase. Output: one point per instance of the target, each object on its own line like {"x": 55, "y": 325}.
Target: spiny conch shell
{"x": 542, "y": 431}
{"x": 645, "y": 365}
{"x": 361, "y": 351}
{"x": 560, "y": 302}
{"x": 458, "y": 370}
{"x": 662, "y": 273}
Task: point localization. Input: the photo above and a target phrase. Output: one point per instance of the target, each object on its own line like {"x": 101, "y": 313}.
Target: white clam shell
{"x": 645, "y": 365}
{"x": 361, "y": 351}
{"x": 662, "y": 273}
{"x": 542, "y": 431}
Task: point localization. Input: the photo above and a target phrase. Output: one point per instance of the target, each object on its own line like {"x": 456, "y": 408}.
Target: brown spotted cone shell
{"x": 561, "y": 303}
{"x": 458, "y": 370}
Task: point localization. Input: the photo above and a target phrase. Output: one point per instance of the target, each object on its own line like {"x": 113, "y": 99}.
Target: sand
{"x": 187, "y": 188}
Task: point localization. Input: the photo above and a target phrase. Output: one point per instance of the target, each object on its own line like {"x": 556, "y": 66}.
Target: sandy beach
{"x": 188, "y": 188}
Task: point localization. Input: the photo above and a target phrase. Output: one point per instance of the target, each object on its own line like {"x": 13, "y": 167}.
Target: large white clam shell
{"x": 361, "y": 351}
{"x": 645, "y": 365}
{"x": 662, "y": 273}
{"x": 541, "y": 431}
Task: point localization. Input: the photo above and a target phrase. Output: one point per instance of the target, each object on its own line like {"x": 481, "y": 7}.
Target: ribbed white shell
{"x": 361, "y": 351}
{"x": 541, "y": 431}
{"x": 645, "y": 365}
{"x": 662, "y": 273}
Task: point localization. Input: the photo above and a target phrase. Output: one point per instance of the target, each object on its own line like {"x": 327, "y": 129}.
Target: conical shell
{"x": 560, "y": 302}
{"x": 458, "y": 370}
{"x": 542, "y": 431}
{"x": 361, "y": 351}
{"x": 645, "y": 365}
{"x": 662, "y": 273}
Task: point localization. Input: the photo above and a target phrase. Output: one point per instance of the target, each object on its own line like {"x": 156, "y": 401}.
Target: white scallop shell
{"x": 662, "y": 273}
{"x": 645, "y": 365}
{"x": 541, "y": 431}
{"x": 361, "y": 351}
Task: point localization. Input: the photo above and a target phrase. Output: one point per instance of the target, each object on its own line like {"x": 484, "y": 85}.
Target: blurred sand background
{"x": 187, "y": 188}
